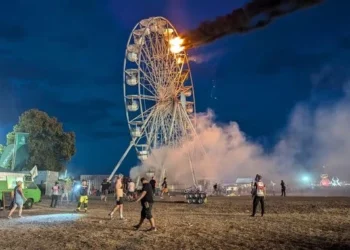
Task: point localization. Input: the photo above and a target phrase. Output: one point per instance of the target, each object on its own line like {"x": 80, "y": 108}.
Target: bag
{"x": 11, "y": 204}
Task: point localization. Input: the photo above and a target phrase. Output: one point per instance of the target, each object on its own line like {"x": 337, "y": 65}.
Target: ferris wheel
{"x": 158, "y": 89}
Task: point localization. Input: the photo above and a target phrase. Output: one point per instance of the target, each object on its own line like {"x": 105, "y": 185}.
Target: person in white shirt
{"x": 131, "y": 190}
{"x": 259, "y": 195}
{"x": 55, "y": 192}
{"x": 66, "y": 189}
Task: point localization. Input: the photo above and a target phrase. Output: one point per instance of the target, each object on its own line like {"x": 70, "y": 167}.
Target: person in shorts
{"x": 18, "y": 200}
{"x": 165, "y": 189}
{"x": 119, "y": 198}
{"x": 146, "y": 199}
{"x": 84, "y": 198}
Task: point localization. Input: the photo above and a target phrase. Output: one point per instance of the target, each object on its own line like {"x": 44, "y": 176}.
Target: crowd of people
{"x": 122, "y": 192}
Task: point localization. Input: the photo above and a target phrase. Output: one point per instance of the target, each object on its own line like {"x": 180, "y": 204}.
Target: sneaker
{"x": 20, "y": 216}
{"x": 110, "y": 215}
{"x": 152, "y": 229}
{"x": 137, "y": 227}
{"x": 9, "y": 217}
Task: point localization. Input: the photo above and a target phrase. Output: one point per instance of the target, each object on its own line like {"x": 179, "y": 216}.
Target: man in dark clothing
{"x": 146, "y": 199}
{"x": 283, "y": 188}
{"x": 215, "y": 188}
{"x": 259, "y": 195}
{"x": 104, "y": 189}
{"x": 153, "y": 184}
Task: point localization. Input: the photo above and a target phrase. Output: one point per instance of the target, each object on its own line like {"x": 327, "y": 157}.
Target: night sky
{"x": 66, "y": 58}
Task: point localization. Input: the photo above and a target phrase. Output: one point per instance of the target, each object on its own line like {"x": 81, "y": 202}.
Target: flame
{"x": 176, "y": 45}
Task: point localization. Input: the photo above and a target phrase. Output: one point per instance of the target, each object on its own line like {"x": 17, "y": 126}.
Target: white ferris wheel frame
{"x": 146, "y": 122}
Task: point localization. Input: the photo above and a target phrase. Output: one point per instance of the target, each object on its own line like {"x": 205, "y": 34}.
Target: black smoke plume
{"x": 254, "y": 15}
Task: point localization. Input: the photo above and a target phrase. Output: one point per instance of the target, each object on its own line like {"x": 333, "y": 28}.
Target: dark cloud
{"x": 75, "y": 41}
{"x": 12, "y": 32}
{"x": 8, "y": 105}
{"x": 275, "y": 62}
{"x": 118, "y": 123}
{"x": 29, "y": 71}
{"x": 344, "y": 42}
{"x": 102, "y": 135}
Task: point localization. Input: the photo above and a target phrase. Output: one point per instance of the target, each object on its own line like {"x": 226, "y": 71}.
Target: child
{"x": 83, "y": 191}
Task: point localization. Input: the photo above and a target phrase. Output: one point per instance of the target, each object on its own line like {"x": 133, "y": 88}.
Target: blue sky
{"x": 65, "y": 58}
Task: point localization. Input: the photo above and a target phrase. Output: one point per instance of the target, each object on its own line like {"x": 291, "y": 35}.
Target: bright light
{"x": 176, "y": 45}
{"x": 46, "y": 219}
{"x": 305, "y": 178}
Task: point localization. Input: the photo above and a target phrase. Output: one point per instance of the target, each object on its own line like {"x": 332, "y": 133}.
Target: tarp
{"x": 6, "y": 156}
{"x": 21, "y": 153}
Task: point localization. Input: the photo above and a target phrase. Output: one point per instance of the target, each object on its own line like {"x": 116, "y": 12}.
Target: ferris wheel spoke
{"x": 142, "y": 115}
{"x": 149, "y": 79}
{"x": 149, "y": 61}
{"x": 148, "y": 97}
{"x": 152, "y": 92}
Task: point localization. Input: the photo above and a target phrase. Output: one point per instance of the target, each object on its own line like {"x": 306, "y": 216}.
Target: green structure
{"x": 17, "y": 152}
{"x": 6, "y": 156}
{"x": 20, "y": 152}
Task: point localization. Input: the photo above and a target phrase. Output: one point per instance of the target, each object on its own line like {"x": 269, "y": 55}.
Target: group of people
{"x": 146, "y": 198}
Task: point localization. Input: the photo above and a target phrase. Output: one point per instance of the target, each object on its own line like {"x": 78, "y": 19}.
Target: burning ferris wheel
{"x": 158, "y": 89}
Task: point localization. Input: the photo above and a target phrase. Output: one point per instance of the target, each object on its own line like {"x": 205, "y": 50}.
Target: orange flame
{"x": 176, "y": 45}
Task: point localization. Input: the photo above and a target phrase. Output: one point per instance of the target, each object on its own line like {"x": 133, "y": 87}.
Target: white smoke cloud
{"x": 314, "y": 138}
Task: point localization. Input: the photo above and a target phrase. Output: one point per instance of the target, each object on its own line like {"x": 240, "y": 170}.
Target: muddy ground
{"x": 222, "y": 223}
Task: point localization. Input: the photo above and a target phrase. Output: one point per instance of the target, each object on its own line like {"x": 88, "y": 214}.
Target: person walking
{"x": 18, "y": 200}
{"x": 131, "y": 190}
{"x": 153, "y": 184}
{"x": 119, "y": 190}
{"x": 283, "y": 188}
{"x": 146, "y": 199}
{"x": 65, "y": 192}
{"x": 55, "y": 192}
{"x": 259, "y": 195}
{"x": 104, "y": 189}
{"x": 164, "y": 188}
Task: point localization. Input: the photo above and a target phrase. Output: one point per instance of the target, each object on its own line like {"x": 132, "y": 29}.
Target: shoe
{"x": 252, "y": 215}
{"x": 77, "y": 210}
{"x": 9, "y": 217}
{"x": 20, "y": 216}
{"x": 152, "y": 229}
{"x": 110, "y": 215}
{"x": 137, "y": 227}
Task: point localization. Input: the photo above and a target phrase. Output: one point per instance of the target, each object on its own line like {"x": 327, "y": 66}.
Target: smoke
{"x": 313, "y": 138}
{"x": 204, "y": 57}
{"x": 254, "y": 15}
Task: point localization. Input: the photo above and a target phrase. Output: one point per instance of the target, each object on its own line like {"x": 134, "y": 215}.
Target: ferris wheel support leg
{"x": 121, "y": 160}
{"x": 192, "y": 170}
